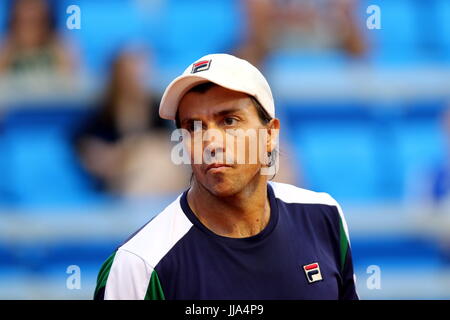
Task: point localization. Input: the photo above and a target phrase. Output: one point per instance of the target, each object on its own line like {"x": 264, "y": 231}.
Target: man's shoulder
{"x": 152, "y": 241}
{"x": 329, "y": 206}
{"x": 289, "y": 193}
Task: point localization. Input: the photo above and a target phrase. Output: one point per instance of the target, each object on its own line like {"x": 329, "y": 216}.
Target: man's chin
{"x": 222, "y": 189}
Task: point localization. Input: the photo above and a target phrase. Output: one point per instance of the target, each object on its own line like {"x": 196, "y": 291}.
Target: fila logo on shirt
{"x": 312, "y": 272}
{"x": 201, "y": 66}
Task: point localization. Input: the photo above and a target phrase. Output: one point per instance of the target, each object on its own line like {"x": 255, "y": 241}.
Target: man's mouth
{"x": 216, "y": 167}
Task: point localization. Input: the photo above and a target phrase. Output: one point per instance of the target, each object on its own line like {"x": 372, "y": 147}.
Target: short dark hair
{"x": 203, "y": 87}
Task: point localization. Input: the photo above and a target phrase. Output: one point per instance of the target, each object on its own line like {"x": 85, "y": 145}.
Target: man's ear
{"x": 273, "y": 134}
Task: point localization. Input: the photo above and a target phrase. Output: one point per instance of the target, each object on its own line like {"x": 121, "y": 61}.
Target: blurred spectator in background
{"x": 32, "y": 43}
{"x": 306, "y": 25}
{"x": 34, "y": 62}
{"x": 126, "y": 145}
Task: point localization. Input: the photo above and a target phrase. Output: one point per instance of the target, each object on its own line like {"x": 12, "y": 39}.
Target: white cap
{"x": 224, "y": 70}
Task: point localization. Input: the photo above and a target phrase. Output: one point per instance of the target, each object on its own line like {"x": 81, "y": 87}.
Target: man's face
{"x": 229, "y": 160}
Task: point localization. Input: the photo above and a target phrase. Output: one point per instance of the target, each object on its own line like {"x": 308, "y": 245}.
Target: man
{"x": 232, "y": 234}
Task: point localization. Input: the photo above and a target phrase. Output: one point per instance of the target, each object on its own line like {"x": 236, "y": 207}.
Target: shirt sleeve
{"x": 123, "y": 276}
{"x": 348, "y": 286}
{"x": 348, "y": 290}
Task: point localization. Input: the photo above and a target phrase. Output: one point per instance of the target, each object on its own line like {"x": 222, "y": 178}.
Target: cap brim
{"x": 178, "y": 88}
{"x": 175, "y": 91}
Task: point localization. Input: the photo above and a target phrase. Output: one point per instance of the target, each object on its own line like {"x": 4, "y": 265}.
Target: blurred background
{"x": 85, "y": 159}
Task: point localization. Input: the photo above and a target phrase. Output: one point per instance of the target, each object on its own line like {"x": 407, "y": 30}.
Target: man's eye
{"x": 192, "y": 126}
{"x": 230, "y": 121}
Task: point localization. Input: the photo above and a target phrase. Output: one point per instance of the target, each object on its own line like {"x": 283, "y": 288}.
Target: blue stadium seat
{"x": 3, "y": 17}
{"x": 397, "y": 40}
{"x": 443, "y": 13}
{"x": 201, "y": 26}
{"x": 106, "y": 27}
{"x": 3, "y": 170}
{"x": 39, "y": 160}
{"x": 7, "y": 257}
{"x": 195, "y": 28}
{"x": 421, "y": 146}
{"x": 338, "y": 157}
{"x": 41, "y": 168}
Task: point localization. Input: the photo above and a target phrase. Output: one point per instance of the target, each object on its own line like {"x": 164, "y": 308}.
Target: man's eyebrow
{"x": 217, "y": 114}
{"x": 227, "y": 111}
{"x": 188, "y": 120}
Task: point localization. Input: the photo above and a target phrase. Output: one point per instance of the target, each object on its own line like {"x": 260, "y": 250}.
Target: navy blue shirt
{"x": 302, "y": 253}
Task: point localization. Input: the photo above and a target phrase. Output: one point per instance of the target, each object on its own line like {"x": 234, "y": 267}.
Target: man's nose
{"x": 213, "y": 153}
{"x": 214, "y": 144}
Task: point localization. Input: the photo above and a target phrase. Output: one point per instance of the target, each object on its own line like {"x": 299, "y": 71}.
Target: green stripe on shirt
{"x": 343, "y": 244}
{"x": 154, "y": 289}
{"x": 104, "y": 273}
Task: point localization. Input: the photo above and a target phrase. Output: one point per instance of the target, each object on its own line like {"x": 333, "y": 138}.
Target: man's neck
{"x": 243, "y": 214}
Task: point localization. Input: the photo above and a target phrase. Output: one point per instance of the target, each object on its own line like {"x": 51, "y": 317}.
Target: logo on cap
{"x": 201, "y": 66}
{"x": 312, "y": 272}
